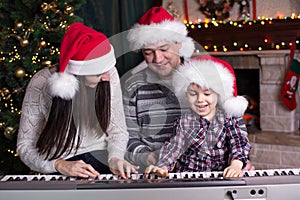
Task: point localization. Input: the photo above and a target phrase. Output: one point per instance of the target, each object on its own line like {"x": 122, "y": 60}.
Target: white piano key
{"x": 174, "y": 175}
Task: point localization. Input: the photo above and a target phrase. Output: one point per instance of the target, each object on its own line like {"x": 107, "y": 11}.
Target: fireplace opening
{"x": 247, "y": 81}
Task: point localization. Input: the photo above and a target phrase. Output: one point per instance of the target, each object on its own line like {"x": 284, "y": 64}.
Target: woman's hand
{"x": 75, "y": 168}
{"x": 234, "y": 170}
{"x": 122, "y": 167}
{"x": 160, "y": 171}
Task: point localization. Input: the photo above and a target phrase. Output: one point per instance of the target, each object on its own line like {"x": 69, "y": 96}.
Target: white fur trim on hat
{"x": 141, "y": 35}
{"x": 63, "y": 85}
{"x": 92, "y": 67}
{"x": 235, "y": 106}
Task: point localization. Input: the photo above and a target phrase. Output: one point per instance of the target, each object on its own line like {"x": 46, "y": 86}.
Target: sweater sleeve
{"x": 137, "y": 149}
{"x": 35, "y": 110}
{"x": 117, "y": 130}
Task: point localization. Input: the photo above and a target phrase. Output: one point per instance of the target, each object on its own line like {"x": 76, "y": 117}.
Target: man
{"x": 149, "y": 101}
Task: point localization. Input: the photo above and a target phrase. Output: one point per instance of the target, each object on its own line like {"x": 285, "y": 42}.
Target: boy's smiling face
{"x": 202, "y": 101}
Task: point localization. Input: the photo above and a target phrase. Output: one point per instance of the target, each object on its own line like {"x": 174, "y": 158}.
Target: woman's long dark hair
{"x": 60, "y": 133}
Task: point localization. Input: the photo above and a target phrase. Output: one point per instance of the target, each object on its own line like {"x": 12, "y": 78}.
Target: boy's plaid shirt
{"x": 200, "y": 145}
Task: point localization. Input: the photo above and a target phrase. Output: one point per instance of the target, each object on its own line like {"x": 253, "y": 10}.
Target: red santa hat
{"x": 158, "y": 25}
{"x": 212, "y": 73}
{"x": 83, "y": 51}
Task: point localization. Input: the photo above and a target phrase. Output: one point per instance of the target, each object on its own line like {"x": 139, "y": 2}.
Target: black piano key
{"x": 291, "y": 172}
{"x": 24, "y": 179}
{"x": 35, "y": 178}
{"x": 60, "y": 178}
{"x": 10, "y": 179}
{"x": 283, "y": 173}
{"x": 186, "y": 176}
{"x": 52, "y": 179}
{"x": 42, "y": 179}
{"x": 257, "y": 174}
{"x": 265, "y": 173}
{"x": 246, "y": 174}
{"x": 276, "y": 173}
{"x": 220, "y": 175}
{"x": 194, "y": 176}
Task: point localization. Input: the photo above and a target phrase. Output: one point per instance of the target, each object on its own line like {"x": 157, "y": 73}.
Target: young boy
{"x": 209, "y": 137}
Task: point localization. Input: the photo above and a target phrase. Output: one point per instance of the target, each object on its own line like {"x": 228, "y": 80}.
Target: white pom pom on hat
{"x": 212, "y": 73}
{"x": 83, "y": 51}
{"x": 158, "y": 25}
{"x": 63, "y": 85}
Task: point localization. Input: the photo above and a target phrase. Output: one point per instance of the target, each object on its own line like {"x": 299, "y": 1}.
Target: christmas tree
{"x": 31, "y": 32}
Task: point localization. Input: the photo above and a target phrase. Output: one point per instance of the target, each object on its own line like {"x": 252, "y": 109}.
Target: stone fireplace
{"x": 272, "y": 66}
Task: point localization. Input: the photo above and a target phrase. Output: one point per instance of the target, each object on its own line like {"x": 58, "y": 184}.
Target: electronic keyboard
{"x": 256, "y": 184}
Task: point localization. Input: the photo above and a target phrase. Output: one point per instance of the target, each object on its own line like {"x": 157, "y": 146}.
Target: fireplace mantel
{"x": 247, "y": 53}
{"x": 272, "y": 65}
{"x": 250, "y": 36}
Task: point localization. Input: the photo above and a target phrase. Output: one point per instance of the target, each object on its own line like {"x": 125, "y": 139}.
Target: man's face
{"x": 162, "y": 58}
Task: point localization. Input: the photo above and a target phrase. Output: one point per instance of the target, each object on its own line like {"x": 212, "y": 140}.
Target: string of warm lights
{"x": 261, "y": 21}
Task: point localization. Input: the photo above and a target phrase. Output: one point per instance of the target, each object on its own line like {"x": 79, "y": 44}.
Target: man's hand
{"x": 151, "y": 159}
{"x": 75, "y": 168}
{"x": 160, "y": 171}
{"x": 122, "y": 167}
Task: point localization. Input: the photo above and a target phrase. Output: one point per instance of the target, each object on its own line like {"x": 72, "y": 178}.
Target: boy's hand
{"x": 160, "y": 171}
{"x": 234, "y": 170}
{"x": 249, "y": 166}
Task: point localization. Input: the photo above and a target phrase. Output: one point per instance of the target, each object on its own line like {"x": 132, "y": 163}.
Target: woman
{"x": 72, "y": 121}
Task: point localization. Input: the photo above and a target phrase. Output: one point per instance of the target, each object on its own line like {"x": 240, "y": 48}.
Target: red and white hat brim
{"x": 65, "y": 84}
{"x": 92, "y": 67}
{"x": 141, "y": 35}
